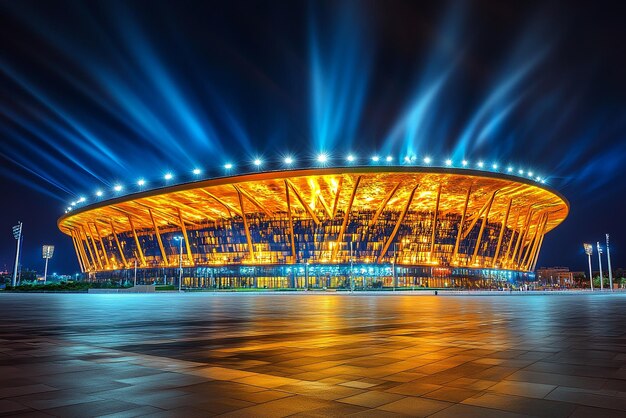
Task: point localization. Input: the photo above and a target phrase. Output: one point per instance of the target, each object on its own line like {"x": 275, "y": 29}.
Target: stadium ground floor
{"x": 319, "y": 276}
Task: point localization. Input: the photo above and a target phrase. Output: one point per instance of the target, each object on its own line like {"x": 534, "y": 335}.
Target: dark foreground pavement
{"x": 255, "y": 355}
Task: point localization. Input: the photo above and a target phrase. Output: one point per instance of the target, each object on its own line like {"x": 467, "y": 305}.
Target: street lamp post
{"x": 47, "y": 252}
{"x": 17, "y": 234}
{"x": 600, "y": 264}
{"x": 608, "y": 257}
{"x": 589, "y": 252}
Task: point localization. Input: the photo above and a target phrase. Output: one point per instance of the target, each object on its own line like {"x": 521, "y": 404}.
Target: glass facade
{"x": 322, "y": 276}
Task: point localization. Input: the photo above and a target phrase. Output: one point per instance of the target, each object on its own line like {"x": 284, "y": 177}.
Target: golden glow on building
{"x": 411, "y": 216}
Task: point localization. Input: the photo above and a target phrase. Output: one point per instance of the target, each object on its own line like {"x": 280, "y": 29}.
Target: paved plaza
{"x": 312, "y": 355}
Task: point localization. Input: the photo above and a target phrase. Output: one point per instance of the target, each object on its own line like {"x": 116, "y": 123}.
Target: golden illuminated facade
{"x": 375, "y": 226}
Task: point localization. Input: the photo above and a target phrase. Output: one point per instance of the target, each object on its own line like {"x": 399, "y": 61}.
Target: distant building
{"x": 555, "y": 276}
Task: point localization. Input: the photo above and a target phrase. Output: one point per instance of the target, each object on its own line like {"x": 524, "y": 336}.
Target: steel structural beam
{"x": 509, "y": 244}
{"x": 228, "y": 207}
{"x": 537, "y": 236}
{"x": 337, "y": 193}
{"x": 398, "y": 223}
{"x": 384, "y": 204}
{"x": 106, "y": 257}
{"x": 96, "y": 258}
{"x": 119, "y": 247}
{"x": 187, "y": 243}
{"x": 480, "y": 214}
{"x": 159, "y": 241}
{"x": 346, "y": 217}
{"x": 80, "y": 261}
{"x": 252, "y": 200}
{"x": 543, "y": 230}
{"x": 523, "y": 246}
{"x": 501, "y": 235}
{"x": 139, "y": 250}
{"x": 482, "y": 228}
{"x": 434, "y": 228}
{"x": 81, "y": 248}
{"x": 325, "y": 206}
{"x": 245, "y": 226}
{"x": 521, "y": 236}
{"x": 304, "y": 205}
{"x": 294, "y": 254}
{"x": 460, "y": 233}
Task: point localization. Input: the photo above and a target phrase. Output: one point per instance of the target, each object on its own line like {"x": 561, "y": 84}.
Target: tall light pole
{"x": 589, "y": 252}
{"x": 47, "y": 252}
{"x": 180, "y": 257}
{"x": 17, "y": 234}
{"x": 608, "y": 257}
{"x": 600, "y": 264}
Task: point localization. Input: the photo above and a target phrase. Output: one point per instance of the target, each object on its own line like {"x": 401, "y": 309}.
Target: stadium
{"x": 357, "y": 227}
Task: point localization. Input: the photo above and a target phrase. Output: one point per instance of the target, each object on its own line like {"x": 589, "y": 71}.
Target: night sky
{"x": 98, "y": 93}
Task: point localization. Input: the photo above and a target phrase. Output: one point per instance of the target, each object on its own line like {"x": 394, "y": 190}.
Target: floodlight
{"x": 427, "y": 160}
{"x": 197, "y": 171}
{"x": 168, "y": 176}
{"x": 141, "y": 182}
{"x": 464, "y": 163}
{"x": 118, "y": 187}
{"x": 322, "y": 158}
{"x": 481, "y": 164}
{"x": 375, "y": 158}
{"x": 389, "y": 158}
{"x": 288, "y": 160}
{"x": 448, "y": 162}
{"x": 98, "y": 193}
{"x": 228, "y": 166}
{"x": 350, "y": 158}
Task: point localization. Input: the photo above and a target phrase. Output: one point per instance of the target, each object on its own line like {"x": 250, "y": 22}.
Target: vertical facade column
{"x": 346, "y": 217}
{"x": 104, "y": 252}
{"x": 482, "y": 228}
{"x": 117, "y": 242}
{"x": 294, "y": 254}
{"x": 460, "y": 233}
{"x": 139, "y": 250}
{"x": 434, "y": 227}
{"x": 158, "y": 237}
{"x": 187, "y": 243}
{"x": 502, "y": 228}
